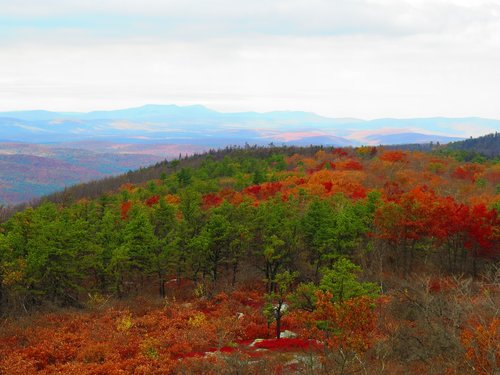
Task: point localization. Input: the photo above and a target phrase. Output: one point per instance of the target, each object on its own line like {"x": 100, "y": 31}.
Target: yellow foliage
{"x": 13, "y": 272}
{"x": 125, "y": 323}
{"x": 197, "y": 320}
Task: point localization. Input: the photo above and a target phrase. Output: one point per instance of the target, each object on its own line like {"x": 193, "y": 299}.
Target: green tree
{"x": 54, "y": 263}
{"x": 276, "y": 307}
{"x": 218, "y": 233}
{"x": 342, "y": 281}
{"x": 334, "y": 228}
{"x": 108, "y": 237}
{"x": 276, "y": 237}
{"x": 184, "y": 177}
{"x": 165, "y": 229}
{"x": 139, "y": 244}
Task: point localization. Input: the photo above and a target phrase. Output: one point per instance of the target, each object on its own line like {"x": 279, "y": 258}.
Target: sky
{"x": 339, "y": 58}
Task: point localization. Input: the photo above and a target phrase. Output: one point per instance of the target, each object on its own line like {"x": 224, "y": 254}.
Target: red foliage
{"x": 300, "y": 181}
{"x": 124, "y": 209}
{"x": 253, "y": 190}
{"x": 328, "y": 186}
{"x": 440, "y": 285}
{"x": 152, "y": 201}
{"x": 248, "y": 298}
{"x": 421, "y": 213}
{"x": 269, "y": 189}
{"x": 339, "y": 152}
{"x": 462, "y": 174}
{"x": 211, "y": 200}
{"x": 264, "y": 191}
{"x": 392, "y": 191}
{"x": 359, "y": 192}
{"x": 482, "y": 229}
{"x": 468, "y": 172}
{"x": 406, "y": 219}
{"x": 288, "y": 344}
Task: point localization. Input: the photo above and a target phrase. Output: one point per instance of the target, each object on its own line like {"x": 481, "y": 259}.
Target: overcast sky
{"x": 340, "y": 58}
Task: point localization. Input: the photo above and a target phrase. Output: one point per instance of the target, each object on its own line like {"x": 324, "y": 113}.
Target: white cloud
{"x": 355, "y": 58}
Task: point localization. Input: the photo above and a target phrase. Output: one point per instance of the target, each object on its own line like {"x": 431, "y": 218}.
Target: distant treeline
{"x": 96, "y": 188}
{"x": 475, "y": 150}
{"x": 470, "y": 150}
{"x": 488, "y": 145}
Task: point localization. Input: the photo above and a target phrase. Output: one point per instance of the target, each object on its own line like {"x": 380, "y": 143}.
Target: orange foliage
{"x": 327, "y": 182}
{"x": 482, "y": 345}
{"x": 308, "y": 163}
{"x": 149, "y": 340}
{"x": 350, "y": 325}
{"x": 393, "y": 156}
{"x": 293, "y": 160}
{"x": 350, "y": 165}
{"x": 322, "y": 176}
{"x": 237, "y": 198}
{"x": 128, "y": 187}
{"x": 493, "y": 175}
{"x": 172, "y": 199}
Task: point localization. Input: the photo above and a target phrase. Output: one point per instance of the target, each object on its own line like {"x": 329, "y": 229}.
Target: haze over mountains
{"x": 203, "y": 126}
{"x": 42, "y": 151}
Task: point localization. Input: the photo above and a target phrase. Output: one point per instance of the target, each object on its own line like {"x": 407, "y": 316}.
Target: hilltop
{"x": 259, "y": 260}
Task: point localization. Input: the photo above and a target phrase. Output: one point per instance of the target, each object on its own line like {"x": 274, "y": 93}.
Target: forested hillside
{"x": 340, "y": 261}
{"x": 28, "y": 171}
{"x": 488, "y": 145}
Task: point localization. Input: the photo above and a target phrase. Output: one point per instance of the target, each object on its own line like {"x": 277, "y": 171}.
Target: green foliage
{"x": 341, "y": 280}
{"x": 275, "y": 308}
{"x": 209, "y": 220}
{"x": 277, "y": 162}
{"x": 139, "y": 240}
{"x": 475, "y": 149}
{"x": 184, "y": 177}
{"x": 334, "y": 227}
{"x": 258, "y": 177}
{"x": 304, "y": 297}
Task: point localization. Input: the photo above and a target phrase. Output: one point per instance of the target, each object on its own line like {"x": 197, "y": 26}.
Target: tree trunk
{"x": 235, "y": 269}
{"x": 161, "y": 280}
{"x": 278, "y": 321}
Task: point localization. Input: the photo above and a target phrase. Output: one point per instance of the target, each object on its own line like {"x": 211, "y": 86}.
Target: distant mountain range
{"x": 42, "y": 151}
{"x": 198, "y": 125}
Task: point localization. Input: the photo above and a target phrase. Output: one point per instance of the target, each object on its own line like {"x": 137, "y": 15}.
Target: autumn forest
{"x": 260, "y": 260}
